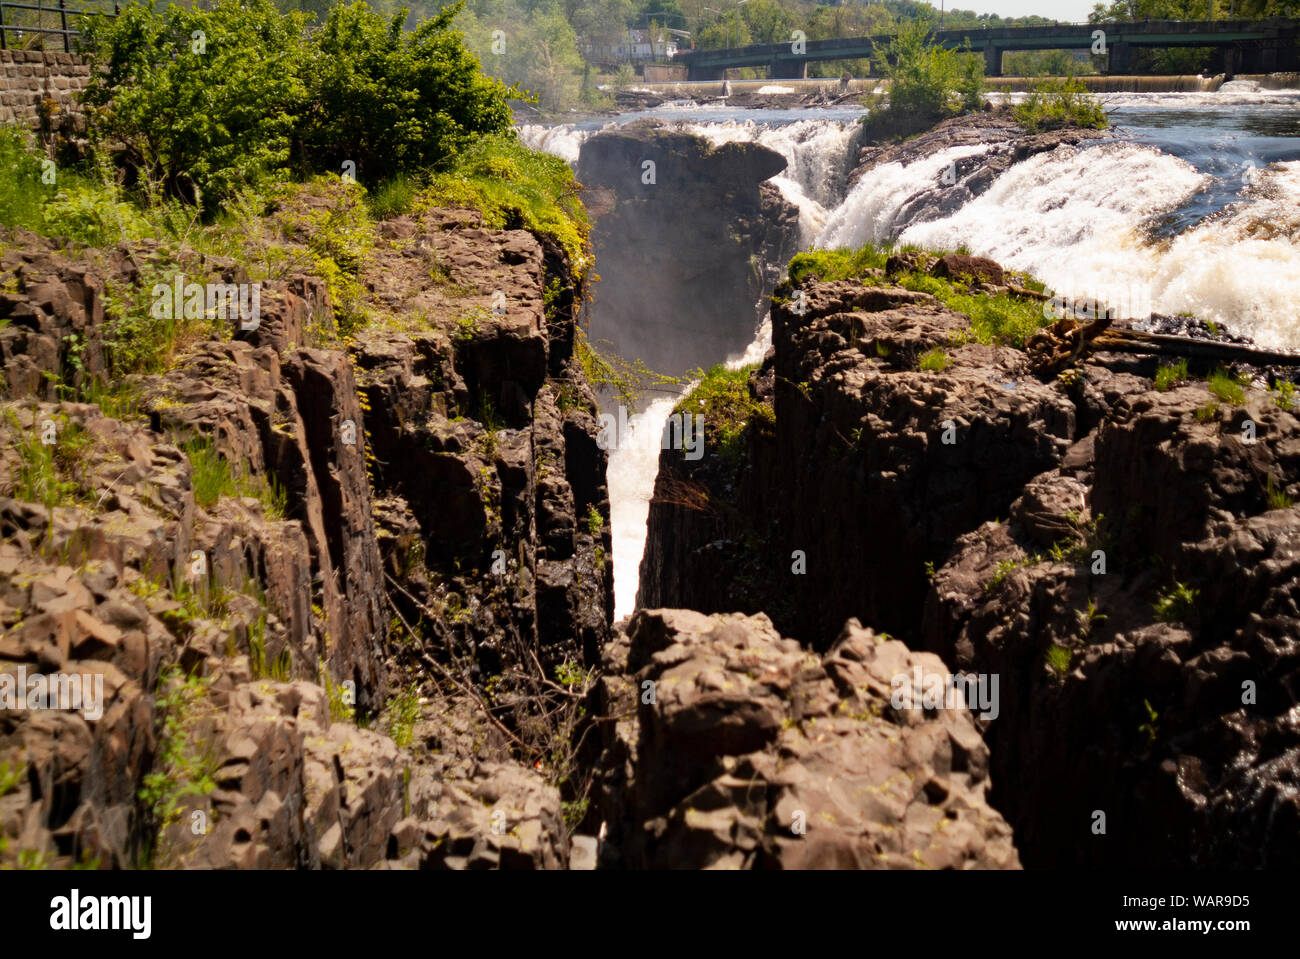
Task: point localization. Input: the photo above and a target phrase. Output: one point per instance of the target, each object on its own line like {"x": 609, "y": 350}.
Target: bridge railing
{"x": 19, "y": 22}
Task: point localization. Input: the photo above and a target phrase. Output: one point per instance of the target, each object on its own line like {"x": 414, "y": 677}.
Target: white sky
{"x": 1072, "y": 10}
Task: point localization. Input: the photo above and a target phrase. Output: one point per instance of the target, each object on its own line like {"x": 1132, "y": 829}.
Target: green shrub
{"x": 1051, "y": 104}
{"x": 258, "y": 96}
{"x": 198, "y": 118}
{"x": 1284, "y": 391}
{"x": 722, "y": 396}
{"x": 926, "y": 81}
{"x": 392, "y": 101}
{"x": 1170, "y": 375}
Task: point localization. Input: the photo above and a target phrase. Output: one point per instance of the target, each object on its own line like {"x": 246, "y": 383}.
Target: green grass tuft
{"x": 934, "y": 361}
{"x": 1226, "y": 387}
{"x": 1171, "y": 375}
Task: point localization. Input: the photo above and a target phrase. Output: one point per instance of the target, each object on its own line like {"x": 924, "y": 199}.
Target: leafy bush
{"x": 206, "y": 101}
{"x": 1051, "y": 104}
{"x": 926, "y": 81}
{"x": 393, "y": 101}
{"x": 202, "y": 100}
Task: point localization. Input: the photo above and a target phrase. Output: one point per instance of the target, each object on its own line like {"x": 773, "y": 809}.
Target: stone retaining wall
{"x": 33, "y": 82}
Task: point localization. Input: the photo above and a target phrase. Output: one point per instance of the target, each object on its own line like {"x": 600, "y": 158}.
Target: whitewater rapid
{"x": 1087, "y": 221}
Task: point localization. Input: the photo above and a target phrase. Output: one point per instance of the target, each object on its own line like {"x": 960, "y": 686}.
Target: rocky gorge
{"x": 389, "y": 639}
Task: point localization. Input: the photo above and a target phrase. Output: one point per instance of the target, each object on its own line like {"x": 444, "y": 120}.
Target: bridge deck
{"x": 1280, "y": 34}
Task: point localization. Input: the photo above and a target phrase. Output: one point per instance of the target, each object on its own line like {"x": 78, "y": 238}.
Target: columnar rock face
{"x": 746, "y": 751}
{"x": 1150, "y": 672}
{"x": 424, "y": 497}
{"x": 871, "y": 471}
{"x": 1122, "y": 559}
{"x": 690, "y": 240}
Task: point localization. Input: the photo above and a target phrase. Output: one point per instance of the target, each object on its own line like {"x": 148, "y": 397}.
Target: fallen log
{"x": 1184, "y": 347}
{"x": 1067, "y": 341}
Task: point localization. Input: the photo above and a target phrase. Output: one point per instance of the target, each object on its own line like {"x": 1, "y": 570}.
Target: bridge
{"x": 1241, "y": 46}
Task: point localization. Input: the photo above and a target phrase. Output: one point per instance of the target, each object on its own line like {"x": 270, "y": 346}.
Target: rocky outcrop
{"x": 1122, "y": 559}
{"x": 872, "y": 469}
{"x": 288, "y": 532}
{"x": 690, "y": 240}
{"x": 1149, "y": 666}
{"x": 745, "y": 751}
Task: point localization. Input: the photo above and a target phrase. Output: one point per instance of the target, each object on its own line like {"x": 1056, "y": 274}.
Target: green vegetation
{"x": 212, "y": 477}
{"x": 50, "y": 473}
{"x": 1047, "y": 63}
{"x": 1208, "y": 412}
{"x": 1227, "y": 387}
{"x": 1051, "y": 104}
{"x": 515, "y": 187}
{"x": 934, "y": 361}
{"x": 595, "y": 522}
{"x": 400, "y": 717}
{"x": 1058, "y": 660}
{"x": 831, "y": 265}
{"x": 342, "y": 705}
{"x": 1151, "y": 727}
{"x": 926, "y": 83}
{"x": 1170, "y": 375}
{"x": 1284, "y": 394}
{"x": 1002, "y": 318}
{"x": 723, "y": 397}
{"x": 625, "y": 379}
{"x": 258, "y": 97}
{"x": 1277, "y": 496}
{"x": 1177, "y": 604}
{"x": 183, "y": 766}
{"x": 11, "y": 774}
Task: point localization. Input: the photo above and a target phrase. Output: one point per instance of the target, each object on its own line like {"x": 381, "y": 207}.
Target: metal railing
{"x": 57, "y": 9}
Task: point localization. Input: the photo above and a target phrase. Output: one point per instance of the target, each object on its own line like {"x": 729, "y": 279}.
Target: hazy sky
{"x": 1073, "y": 10}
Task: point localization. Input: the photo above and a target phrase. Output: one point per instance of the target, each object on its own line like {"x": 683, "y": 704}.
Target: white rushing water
{"x": 1085, "y": 221}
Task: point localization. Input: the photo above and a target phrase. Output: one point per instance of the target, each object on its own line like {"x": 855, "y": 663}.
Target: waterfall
{"x": 1130, "y": 223}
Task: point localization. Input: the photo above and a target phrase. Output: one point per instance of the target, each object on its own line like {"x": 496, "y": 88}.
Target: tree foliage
{"x": 203, "y": 102}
